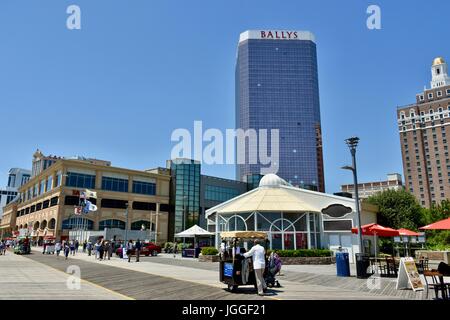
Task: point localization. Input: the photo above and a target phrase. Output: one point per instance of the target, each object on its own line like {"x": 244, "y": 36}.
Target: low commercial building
{"x": 125, "y": 199}
{"x": 294, "y": 218}
{"x": 368, "y": 189}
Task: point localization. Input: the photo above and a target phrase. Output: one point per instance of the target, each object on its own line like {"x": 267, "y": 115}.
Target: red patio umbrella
{"x": 440, "y": 225}
{"x": 408, "y": 233}
{"x": 375, "y": 230}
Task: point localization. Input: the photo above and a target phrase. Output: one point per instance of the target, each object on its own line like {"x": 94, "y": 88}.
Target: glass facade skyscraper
{"x": 185, "y": 193}
{"x": 277, "y": 88}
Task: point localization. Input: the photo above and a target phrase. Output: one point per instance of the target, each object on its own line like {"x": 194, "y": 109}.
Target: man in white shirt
{"x": 257, "y": 253}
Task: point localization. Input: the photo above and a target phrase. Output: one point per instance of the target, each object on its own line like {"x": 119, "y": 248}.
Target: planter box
{"x": 202, "y": 258}
{"x": 307, "y": 260}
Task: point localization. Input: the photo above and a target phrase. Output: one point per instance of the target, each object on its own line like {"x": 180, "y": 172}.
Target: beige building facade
{"x": 368, "y": 189}
{"x": 125, "y": 199}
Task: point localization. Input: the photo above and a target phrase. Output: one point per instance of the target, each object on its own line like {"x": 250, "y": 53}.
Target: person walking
{"x": 175, "y": 249}
{"x": 112, "y": 245}
{"x": 84, "y": 246}
{"x": 89, "y": 248}
{"x": 129, "y": 249}
{"x": 101, "y": 249}
{"x": 58, "y": 249}
{"x": 257, "y": 252}
{"x": 138, "y": 249}
{"x": 2, "y": 246}
{"x": 106, "y": 253}
{"x": 66, "y": 250}
{"x": 77, "y": 244}
{"x": 97, "y": 249}
{"x": 72, "y": 247}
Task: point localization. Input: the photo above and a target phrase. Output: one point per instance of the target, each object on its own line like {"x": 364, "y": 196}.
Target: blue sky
{"x": 137, "y": 70}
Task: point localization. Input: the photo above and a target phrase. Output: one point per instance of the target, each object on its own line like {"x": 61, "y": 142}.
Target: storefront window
{"x": 289, "y": 241}
{"x": 301, "y": 240}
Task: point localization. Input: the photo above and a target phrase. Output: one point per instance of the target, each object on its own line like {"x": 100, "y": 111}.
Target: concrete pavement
{"x": 22, "y": 278}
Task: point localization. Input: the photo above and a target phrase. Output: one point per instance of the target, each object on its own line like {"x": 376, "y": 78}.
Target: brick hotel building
{"x": 424, "y": 132}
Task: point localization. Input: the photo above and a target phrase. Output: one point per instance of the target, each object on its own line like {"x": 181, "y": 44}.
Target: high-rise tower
{"x": 277, "y": 88}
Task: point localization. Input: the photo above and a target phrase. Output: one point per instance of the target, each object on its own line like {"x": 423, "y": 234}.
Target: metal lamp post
{"x": 126, "y": 223}
{"x": 352, "y": 144}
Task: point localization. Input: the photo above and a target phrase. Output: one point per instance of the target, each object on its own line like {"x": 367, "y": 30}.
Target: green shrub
{"x": 303, "y": 253}
{"x": 209, "y": 251}
{"x": 182, "y": 246}
{"x": 168, "y": 245}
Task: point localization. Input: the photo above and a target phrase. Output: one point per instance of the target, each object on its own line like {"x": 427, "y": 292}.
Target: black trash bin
{"x": 342, "y": 264}
{"x": 362, "y": 264}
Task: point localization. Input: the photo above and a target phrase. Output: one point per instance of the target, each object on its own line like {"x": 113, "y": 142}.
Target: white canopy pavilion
{"x": 293, "y": 218}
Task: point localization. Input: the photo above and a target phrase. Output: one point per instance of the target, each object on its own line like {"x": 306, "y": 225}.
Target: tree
{"x": 437, "y": 212}
{"x": 398, "y": 209}
{"x": 438, "y": 239}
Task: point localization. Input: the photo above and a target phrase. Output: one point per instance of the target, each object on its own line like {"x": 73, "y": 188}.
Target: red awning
{"x": 375, "y": 229}
{"x": 440, "y": 225}
{"x": 408, "y": 233}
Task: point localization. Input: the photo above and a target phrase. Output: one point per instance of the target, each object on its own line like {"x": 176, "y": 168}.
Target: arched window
{"x": 44, "y": 224}
{"x": 137, "y": 225}
{"x": 431, "y": 111}
{"x": 73, "y": 223}
{"x": 26, "y": 225}
{"x": 52, "y": 223}
{"x": 36, "y": 225}
{"x": 411, "y": 113}
{"x": 112, "y": 223}
{"x": 236, "y": 223}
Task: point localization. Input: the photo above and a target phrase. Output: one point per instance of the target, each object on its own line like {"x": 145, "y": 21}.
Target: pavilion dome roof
{"x": 272, "y": 181}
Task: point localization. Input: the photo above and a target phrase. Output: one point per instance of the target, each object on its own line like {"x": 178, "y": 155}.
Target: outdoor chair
{"x": 423, "y": 265}
{"x": 437, "y": 284}
{"x": 389, "y": 268}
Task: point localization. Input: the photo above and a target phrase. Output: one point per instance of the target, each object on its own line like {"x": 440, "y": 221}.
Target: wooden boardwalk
{"x": 385, "y": 287}
{"x": 143, "y": 286}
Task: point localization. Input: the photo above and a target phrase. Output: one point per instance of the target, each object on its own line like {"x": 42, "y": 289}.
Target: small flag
{"x": 90, "y": 194}
{"x": 89, "y": 207}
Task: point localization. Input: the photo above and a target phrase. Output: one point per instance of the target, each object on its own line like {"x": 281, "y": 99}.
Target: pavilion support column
{"x": 217, "y": 231}
{"x": 308, "y": 228}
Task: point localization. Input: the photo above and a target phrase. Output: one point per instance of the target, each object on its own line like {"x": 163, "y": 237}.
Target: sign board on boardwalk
{"x": 408, "y": 276}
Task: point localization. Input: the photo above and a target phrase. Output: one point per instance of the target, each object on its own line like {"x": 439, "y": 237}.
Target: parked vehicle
{"x": 22, "y": 246}
{"x": 148, "y": 248}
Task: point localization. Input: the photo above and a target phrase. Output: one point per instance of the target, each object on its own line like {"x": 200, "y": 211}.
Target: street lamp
{"x": 352, "y": 144}
{"x": 126, "y": 223}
